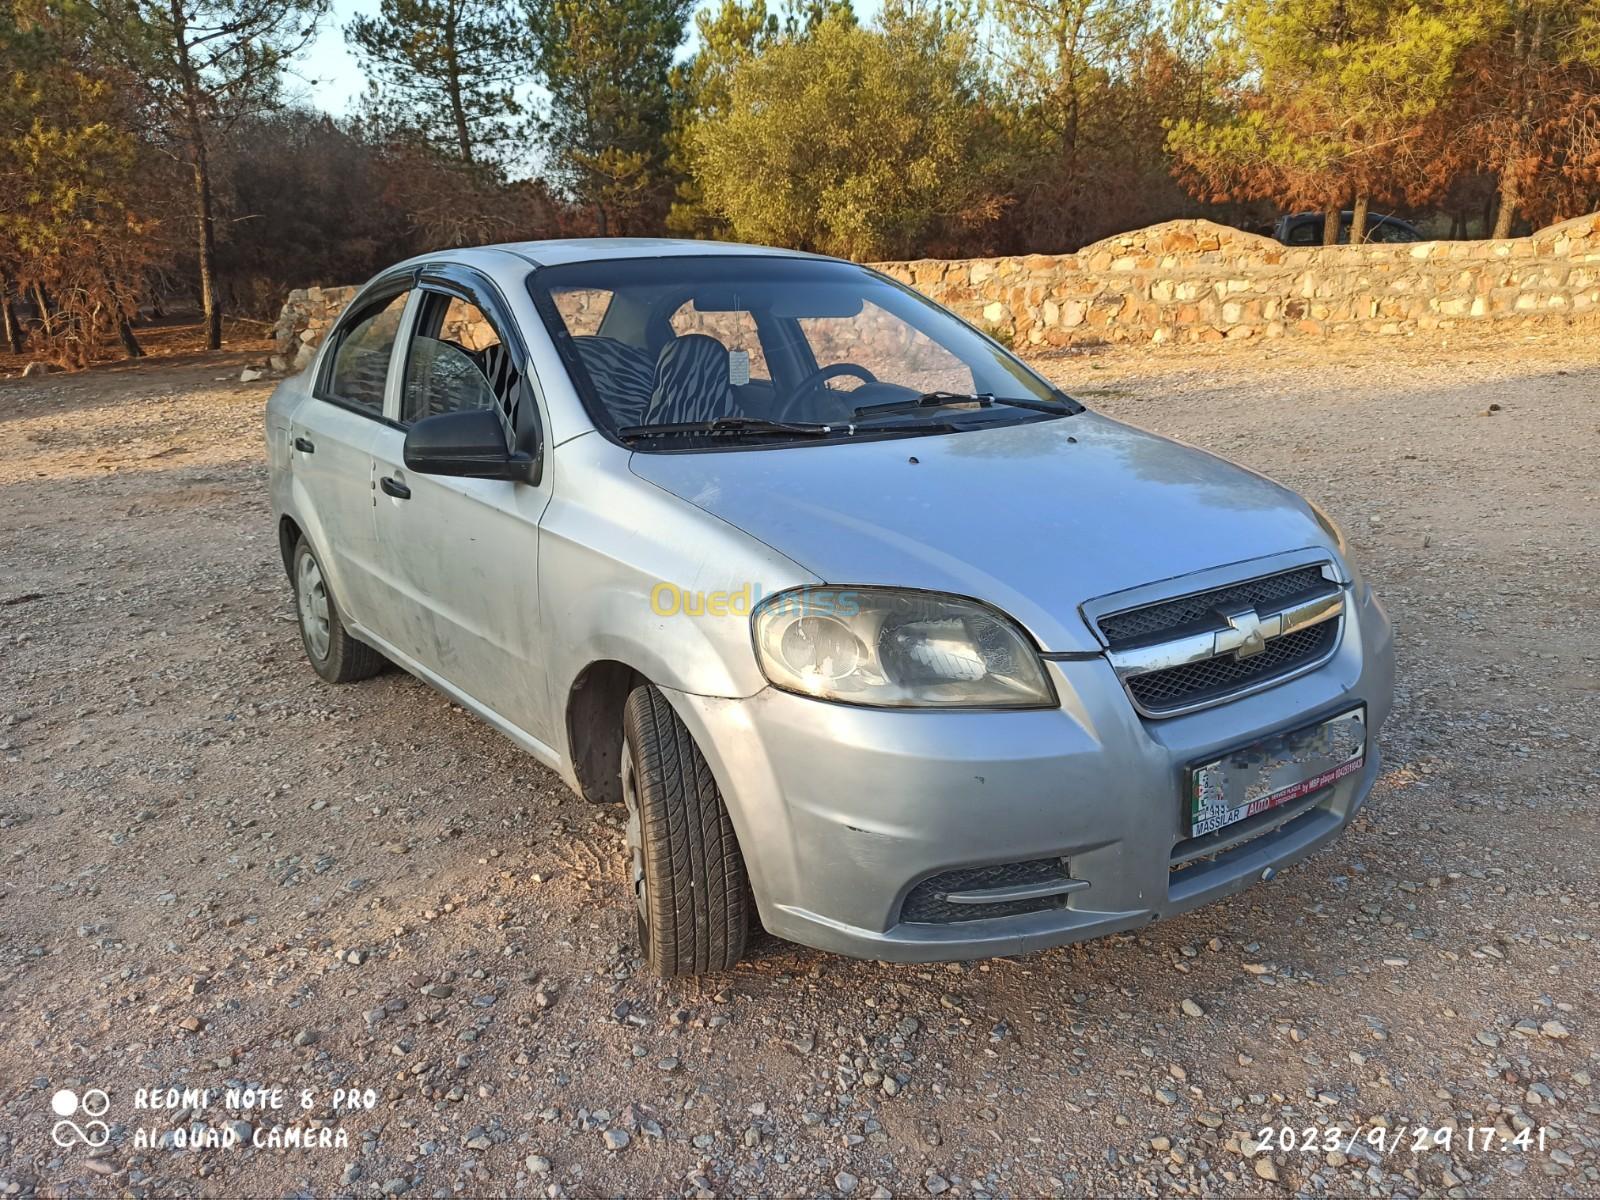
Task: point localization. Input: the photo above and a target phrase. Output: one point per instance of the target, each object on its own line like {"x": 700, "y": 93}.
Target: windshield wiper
{"x": 762, "y": 425}
{"x": 730, "y": 425}
{"x": 951, "y": 399}
{"x": 926, "y": 400}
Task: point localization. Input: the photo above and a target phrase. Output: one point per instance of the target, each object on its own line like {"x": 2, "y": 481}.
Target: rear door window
{"x": 361, "y": 361}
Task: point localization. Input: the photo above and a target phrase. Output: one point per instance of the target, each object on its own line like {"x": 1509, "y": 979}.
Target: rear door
{"x": 460, "y": 556}
{"x": 331, "y": 438}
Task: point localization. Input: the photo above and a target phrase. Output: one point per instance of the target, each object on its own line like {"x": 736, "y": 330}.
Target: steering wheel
{"x": 813, "y": 382}
{"x": 822, "y": 374}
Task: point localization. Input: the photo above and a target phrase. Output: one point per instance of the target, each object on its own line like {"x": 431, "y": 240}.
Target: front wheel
{"x": 688, "y": 876}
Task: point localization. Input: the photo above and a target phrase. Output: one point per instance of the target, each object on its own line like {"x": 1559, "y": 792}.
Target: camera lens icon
{"x": 93, "y": 1103}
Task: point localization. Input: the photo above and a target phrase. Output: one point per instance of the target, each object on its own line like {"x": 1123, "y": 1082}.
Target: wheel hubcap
{"x": 633, "y": 833}
{"x": 311, "y": 593}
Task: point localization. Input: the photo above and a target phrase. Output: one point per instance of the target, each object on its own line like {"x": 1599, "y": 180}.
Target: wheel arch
{"x": 289, "y": 535}
{"x": 297, "y": 522}
{"x": 594, "y": 727}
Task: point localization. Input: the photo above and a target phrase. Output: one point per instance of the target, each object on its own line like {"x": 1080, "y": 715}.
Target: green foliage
{"x": 445, "y": 71}
{"x": 147, "y": 141}
{"x": 861, "y": 142}
{"x": 74, "y": 215}
{"x": 729, "y": 35}
{"x": 204, "y": 64}
{"x": 1087, "y": 87}
{"x": 1318, "y": 102}
{"x": 607, "y": 68}
{"x": 203, "y": 60}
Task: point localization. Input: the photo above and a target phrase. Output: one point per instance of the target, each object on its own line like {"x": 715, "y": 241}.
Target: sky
{"x": 327, "y": 75}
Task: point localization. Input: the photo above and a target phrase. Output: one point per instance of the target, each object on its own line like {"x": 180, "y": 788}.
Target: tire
{"x": 334, "y": 654}
{"x": 691, "y": 892}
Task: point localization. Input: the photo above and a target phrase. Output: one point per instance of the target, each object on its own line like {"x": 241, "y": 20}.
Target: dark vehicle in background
{"x": 1305, "y": 229}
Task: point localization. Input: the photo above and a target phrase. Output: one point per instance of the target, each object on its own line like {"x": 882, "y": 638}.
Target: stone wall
{"x": 305, "y": 317}
{"x": 1193, "y": 281}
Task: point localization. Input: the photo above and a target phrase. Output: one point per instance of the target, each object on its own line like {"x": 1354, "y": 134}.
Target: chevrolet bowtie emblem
{"x": 1247, "y": 632}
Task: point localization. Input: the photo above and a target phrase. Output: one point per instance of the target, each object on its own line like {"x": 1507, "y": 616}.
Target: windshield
{"x": 673, "y": 353}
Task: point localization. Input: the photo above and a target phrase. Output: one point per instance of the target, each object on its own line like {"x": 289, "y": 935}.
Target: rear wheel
{"x": 335, "y": 655}
{"x": 688, "y": 878}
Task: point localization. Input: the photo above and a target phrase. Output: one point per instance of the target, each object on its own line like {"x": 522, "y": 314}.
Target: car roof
{"x": 555, "y": 251}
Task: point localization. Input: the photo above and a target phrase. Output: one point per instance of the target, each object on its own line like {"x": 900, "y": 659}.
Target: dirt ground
{"x": 218, "y": 872}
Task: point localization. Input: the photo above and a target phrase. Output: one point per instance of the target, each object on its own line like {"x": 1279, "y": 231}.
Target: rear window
{"x": 582, "y": 309}
{"x": 361, "y": 362}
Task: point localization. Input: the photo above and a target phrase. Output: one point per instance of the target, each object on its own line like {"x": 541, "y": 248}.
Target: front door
{"x": 460, "y": 557}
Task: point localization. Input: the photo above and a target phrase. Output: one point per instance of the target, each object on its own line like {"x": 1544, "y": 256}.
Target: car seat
{"x": 691, "y": 382}
{"x": 621, "y": 374}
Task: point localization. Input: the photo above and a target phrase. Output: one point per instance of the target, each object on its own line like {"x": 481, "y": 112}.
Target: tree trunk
{"x": 458, "y": 118}
{"x": 14, "y": 339}
{"x": 210, "y": 301}
{"x": 458, "y": 110}
{"x": 1358, "y": 222}
{"x": 1508, "y": 204}
{"x": 118, "y": 313}
{"x": 1330, "y": 226}
{"x": 41, "y": 302}
{"x": 1529, "y": 51}
{"x": 130, "y": 344}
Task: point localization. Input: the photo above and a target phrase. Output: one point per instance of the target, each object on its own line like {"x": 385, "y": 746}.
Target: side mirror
{"x": 471, "y": 444}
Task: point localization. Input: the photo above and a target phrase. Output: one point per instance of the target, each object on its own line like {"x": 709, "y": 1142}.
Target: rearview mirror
{"x": 470, "y": 444}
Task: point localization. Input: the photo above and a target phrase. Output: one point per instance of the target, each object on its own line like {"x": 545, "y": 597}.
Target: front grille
{"x": 1157, "y": 622}
{"x": 1199, "y": 682}
{"x": 926, "y": 902}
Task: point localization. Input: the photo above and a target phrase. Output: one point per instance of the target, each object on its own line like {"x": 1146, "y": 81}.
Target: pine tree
{"x": 206, "y": 63}
{"x": 607, "y": 67}
{"x": 447, "y": 70}
{"x": 1527, "y": 109}
{"x": 76, "y": 230}
{"x": 1320, "y": 101}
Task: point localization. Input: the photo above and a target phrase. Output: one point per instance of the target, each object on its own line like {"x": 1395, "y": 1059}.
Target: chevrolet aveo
{"x": 879, "y": 637}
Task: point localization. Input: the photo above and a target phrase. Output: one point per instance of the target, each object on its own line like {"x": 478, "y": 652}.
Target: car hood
{"x": 1033, "y": 518}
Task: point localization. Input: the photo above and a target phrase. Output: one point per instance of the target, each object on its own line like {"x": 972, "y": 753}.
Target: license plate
{"x": 1267, "y": 774}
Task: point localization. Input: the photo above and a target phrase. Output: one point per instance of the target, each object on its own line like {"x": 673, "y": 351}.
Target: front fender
{"x": 630, "y": 573}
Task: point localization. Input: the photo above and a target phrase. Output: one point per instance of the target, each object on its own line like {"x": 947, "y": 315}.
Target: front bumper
{"x": 841, "y": 811}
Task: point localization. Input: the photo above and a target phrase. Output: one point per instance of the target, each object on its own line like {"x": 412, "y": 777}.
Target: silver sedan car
{"x": 879, "y": 637}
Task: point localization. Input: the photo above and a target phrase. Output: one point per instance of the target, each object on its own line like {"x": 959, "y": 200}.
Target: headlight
{"x": 897, "y": 650}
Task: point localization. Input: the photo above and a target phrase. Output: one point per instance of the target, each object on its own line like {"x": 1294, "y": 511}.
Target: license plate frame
{"x": 1269, "y": 772}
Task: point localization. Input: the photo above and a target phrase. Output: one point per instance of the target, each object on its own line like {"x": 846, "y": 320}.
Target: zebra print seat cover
{"x": 621, "y": 374}
{"x": 498, "y": 369}
{"x": 691, "y": 382}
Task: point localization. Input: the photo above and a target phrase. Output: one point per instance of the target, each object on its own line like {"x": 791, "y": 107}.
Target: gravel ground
{"x": 217, "y": 872}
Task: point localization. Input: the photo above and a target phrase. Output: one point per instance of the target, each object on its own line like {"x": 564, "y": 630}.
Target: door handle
{"x": 393, "y": 487}
{"x": 305, "y": 445}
